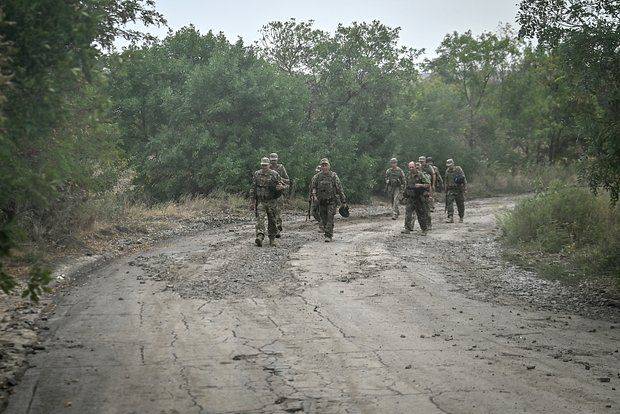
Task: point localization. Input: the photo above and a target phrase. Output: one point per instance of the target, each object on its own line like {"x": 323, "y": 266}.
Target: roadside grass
{"x": 91, "y": 224}
{"x": 565, "y": 233}
{"x": 493, "y": 181}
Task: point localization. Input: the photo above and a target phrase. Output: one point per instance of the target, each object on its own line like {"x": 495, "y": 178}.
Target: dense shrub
{"x": 570, "y": 221}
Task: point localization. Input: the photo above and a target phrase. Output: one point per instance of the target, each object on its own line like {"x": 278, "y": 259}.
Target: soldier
{"x": 326, "y": 190}
{"x": 438, "y": 180}
{"x": 266, "y": 188}
{"x": 279, "y": 168}
{"x": 456, "y": 187}
{"x": 426, "y": 168}
{"x": 438, "y": 188}
{"x": 418, "y": 183}
{"x": 395, "y": 181}
{"x": 314, "y": 205}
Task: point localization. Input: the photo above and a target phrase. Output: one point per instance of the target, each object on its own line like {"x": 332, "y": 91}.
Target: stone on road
{"x": 370, "y": 323}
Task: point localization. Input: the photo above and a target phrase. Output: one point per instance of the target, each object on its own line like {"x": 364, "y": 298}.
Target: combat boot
{"x": 259, "y": 240}
{"x": 450, "y": 220}
{"x": 460, "y": 219}
{"x": 424, "y": 232}
{"x": 328, "y": 239}
{"x": 405, "y": 231}
{"x": 272, "y": 242}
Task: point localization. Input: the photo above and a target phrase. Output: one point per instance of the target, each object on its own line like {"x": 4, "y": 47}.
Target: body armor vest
{"x": 265, "y": 185}
{"x": 393, "y": 177}
{"x": 325, "y": 187}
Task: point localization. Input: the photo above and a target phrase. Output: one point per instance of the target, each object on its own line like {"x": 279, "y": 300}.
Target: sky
{"x": 423, "y": 23}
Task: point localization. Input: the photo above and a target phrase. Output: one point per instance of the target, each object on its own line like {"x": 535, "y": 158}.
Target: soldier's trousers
{"x": 429, "y": 208}
{"x": 416, "y": 206}
{"x": 327, "y": 211}
{"x": 455, "y": 195}
{"x": 394, "y": 195}
{"x": 266, "y": 210}
{"x": 279, "y": 206}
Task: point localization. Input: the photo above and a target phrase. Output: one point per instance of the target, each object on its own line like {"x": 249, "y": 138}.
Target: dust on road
{"x": 374, "y": 322}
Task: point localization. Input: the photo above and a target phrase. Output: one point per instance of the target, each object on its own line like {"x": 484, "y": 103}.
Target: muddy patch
{"x": 472, "y": 256}
{"x": 236, "y": 268}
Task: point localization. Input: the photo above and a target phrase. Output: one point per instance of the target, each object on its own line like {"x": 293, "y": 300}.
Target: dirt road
{"x": 375, "y": 322}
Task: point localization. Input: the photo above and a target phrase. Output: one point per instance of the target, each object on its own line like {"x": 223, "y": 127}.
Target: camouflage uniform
{"x": 439, "y": 186}
{"x": 265, "y": 194}
{"x": 428, "y": 170}
{"x": 454, "y": 191}
{"x": 328, "y": 190}
{"x": 417, "y": 203}
{"x": 314, "y": 207}
{"x": 279, "y": 168}
{"x": 395, "y": 179}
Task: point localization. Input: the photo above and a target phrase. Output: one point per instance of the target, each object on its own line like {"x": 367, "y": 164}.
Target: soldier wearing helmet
{"x": 426, "y": 168}
{"x": 314, "y": 205}
{"x": 456, "y": 187}
{"x": 417, "y": 184}
{"x": 326, "y": 190}
{"x": 267, "y": 186}
{"x": 394, "y": 181}
{"x": 279, "y": 168}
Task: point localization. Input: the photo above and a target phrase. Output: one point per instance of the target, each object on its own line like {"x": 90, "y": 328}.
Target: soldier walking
{"x": 438, "y": 187}
{"x": 456, "y": 187}
{"x": 314, "y": 205}
{"x": 326, "y": 190}
{"x": 267, "y": 186}
{"x": 428, "y": 169}
{"x": 279, "y": 168}
{"x": 418, "y": 183}
{"x": 395, "y": 181}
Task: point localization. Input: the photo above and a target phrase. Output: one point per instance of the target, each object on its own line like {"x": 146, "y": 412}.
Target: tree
{"x": 585, "y": 35}
{"x": 472, "y": 64}
{"x": 197, "y": 113}
{"x": 354, "y": 78}
{"x": 54, "y": 49}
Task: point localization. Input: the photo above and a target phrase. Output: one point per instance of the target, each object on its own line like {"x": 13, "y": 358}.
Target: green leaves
{"x": 584, "y": 35}
{"x": 54, "y": 149}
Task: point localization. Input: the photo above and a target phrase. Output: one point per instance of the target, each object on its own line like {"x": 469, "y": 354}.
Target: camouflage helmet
{"x": 393, "y": 161}
{"x": 324, "y": 161}
{"x": 264, "y": 161}
{"x": 429, "y": 159}
{"x": 421, "y": 158}
{"x": 450, "y": 162}
{"x": 273, "y": 156}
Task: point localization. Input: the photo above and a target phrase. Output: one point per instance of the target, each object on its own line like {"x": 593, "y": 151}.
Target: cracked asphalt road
{"x": 375, "y": 322}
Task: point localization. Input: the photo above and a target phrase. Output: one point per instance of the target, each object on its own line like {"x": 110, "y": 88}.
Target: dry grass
{"x": 489, "y": 182}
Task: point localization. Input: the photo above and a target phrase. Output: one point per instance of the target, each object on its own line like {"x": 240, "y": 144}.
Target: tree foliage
{"x": 51, "y": 147}
{"x": 585, "y": 37}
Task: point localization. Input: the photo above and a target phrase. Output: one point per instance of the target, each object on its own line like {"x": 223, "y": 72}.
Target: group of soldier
{"x": 416, "y": 190}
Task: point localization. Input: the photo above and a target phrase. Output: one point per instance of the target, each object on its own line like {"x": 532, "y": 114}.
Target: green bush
{"x": 569, "y": 221}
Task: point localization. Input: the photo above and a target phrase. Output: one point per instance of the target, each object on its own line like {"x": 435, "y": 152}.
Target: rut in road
{"x": 374, "y": 322}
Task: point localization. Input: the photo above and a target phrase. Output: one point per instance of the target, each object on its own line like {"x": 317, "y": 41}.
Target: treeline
{"x": 193, "y": 113}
